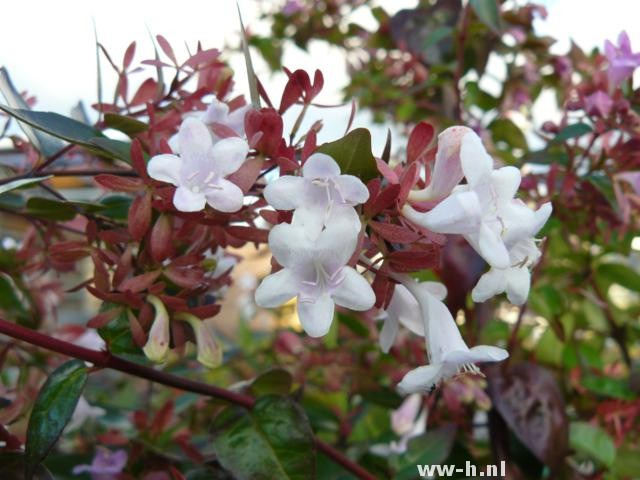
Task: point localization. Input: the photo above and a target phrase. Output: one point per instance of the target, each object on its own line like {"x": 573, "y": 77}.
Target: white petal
{"x": 491, "y": 283}
{"x": 352, "y": 189}
{"x": 354, "y": 292}
{"x": 518, "y": 282}
{"x": 286, "y": 192}
{"x": 476, "y": 163}
{"x": 194, "y": 138}
{"x": 492, "y": 248}
{"x": 316, "y": 317}
{"x": 344, "y": 214}
{"x": 442, "y": 332}
{"x": 335, "y": 245}
{"x": 404, "y": 417}
{"x": 187, "y": 201}
{"x": 506, "y": 181}
{"x": 225, "y": 197}
{"x": 174, "y": 143}
{"x": 478, "y": 354}
{"x": 235, "y": 120}
{"x": 518, "y": 221}
{"x": 420, "y": 379}
{"x": 320, "y": 165}
{"x": 436, "y": 289}
{"x": 311, "y": 218}
{"x": 228, "y": 155}
{"x": 404, "y": 307}
{"x": 388, "y": 333}
{"x": 540, "y": 218}
{"x": 276, "y": 289}
{"x": 458, "y": 213}
{"x": 216, "y": 112}
{"x": 289, "y": 244}
{"x": 165, "y": 168}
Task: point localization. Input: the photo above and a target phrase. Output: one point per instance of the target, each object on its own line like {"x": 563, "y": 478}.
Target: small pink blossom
{"x": 622, "y": 61}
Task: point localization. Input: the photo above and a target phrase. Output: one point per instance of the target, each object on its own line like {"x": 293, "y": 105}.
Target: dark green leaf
{"x": 50, "y": 209}
{"x": 12, "y": 466}
{"x": 273, "y": 382}
{"x": 432, "y": 448}
{"x": 593, "y": 441}
{"x": 620, "y": 274}
{"x": 504, "y": 130}
{"x": 7, "y": 187}
{"x": 354, "y": 324}
{"x": 116, "y": 206}
{"x": 117, "y": 333}
{"x": 45, "y": 144}
{"x": 627, "y": 462}
{"x": 608, "y": 387}
{"x": 474, "y": 95}
{"x": 52, "y": 410}
{"x": 114, "y": 148}
{"x": 273, "y": 441}
{"x": 487, "y": 11}
{"x": 124, "y": 124}
{"x": 55, "y": 124}
{"x": 572, "y": 131}
{"x": 353, "y": 154}
{"x": 10, "y": 303}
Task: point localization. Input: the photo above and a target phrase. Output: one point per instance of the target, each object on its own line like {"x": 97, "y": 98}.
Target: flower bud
{"x": 209, "y": 352}
{"x": 157, "y": 345}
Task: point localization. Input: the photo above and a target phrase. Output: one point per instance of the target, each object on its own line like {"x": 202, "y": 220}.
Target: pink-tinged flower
{"x": 626, "y": 199}
{"x": 447, "y": 170}
{"x": 484, "y": 210}
{"x": 598, "y": 103}
{"x": 321, "y": 196}
{"x": 316, "y": 272}
{"x": 408, "y": 421}
{"x": 404, "y": 310}
{"x": 622, "y": 61}
{"x": 218, "y": 112}
{"x": 292, "y": 7}
{"x": 199, "y": 171}
{"x": 449, "y": 355}
{"x": 157, "y": 346}
{"x": 106, "y": 465}
{"x": 209, "y": 351}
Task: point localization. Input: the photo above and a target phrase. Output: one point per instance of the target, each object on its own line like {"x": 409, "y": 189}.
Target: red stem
{"x": 103, "y": 359}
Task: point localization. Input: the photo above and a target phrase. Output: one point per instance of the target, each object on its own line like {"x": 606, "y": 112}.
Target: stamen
{"x": 193, "y": 175}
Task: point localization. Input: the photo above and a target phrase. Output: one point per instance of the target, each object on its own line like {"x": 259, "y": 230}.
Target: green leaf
{"x": 45, "y": 144}
{"x": 12, "y": 465}
{"x": 505, "y": 130}
{"x": 114, "y": 148}
{"x": 10, "y": 302}
{"x": 273, "y": 382}
{"x": 7, "y": 187}
{"x": 52, "y": 410}
{"x": 592, "y": 441}
{"x": 116, "y": 206}
{"x": 354, "y": 324}
{"x": 124, "y": 124}
{"x": 609, "y": 387}
{"x": 487, "y": 11}
{"x": 117, "y": 333}
{"x": 620, "y": 274}
{"x": 627, "y": 462}
{"x": 55, "y": 124}
{"x": 353, "y": 154}
{"x": 572, "y": 131}
{"x": 432, "y": 448}
{"x": 50, "y": 209}
{"x": 272, "y": 441}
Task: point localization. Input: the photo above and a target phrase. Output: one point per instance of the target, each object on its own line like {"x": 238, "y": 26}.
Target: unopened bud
{"x": 157, "y": 345}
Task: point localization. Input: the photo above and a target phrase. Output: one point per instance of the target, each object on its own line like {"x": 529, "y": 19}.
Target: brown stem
{"x": 103, "y": 359}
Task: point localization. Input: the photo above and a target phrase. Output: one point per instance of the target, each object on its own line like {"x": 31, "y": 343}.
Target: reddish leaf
{"x": 166, "y": 48}
{"x": 247, "y": 174}
{"x": 147, "y": 92}
{"x": 414, "y": 259}
{"x": 394, "y": 233}
{"x": 184, "y": 277}
{"x": 293, "y": 90}
{"x": 382, "y": 201}
{"x": 407, "y": 181}
{"x": 119, "y": 184}
{"x": 269, "y": 123}
{"x": 128, "y": 55}
{"x": 139, "y": 282}
{"x": 203, "y": 57}
{"x": 318, "y": 83}
{"x": 100, "y": 273}
{"x": 102, "y": 319}
{"x": 140, "y": 216}
{"x": 137, "y": 333}
{"x": 137, "y": 159}
{"x": 205, "y": 311}
{"x": 250, "y": 234}
{"x": 69, "y": 251}
{"x": 161, "y": 238}
{"x": 310, "y": 144}
{"x": 419, "y": 140}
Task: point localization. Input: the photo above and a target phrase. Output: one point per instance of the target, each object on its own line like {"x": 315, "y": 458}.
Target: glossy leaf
{"x": 272, "y": 382}
{"x": 52, "y": 410}
{"x": 23, "y": 182}
{"x": 487, "y": 11}
{"x": 277, "y": 435}
{"x": 50, "y": 209}
{"x": 593, "y": 441}
{"x": 572, "y": 131}
{"x": 353, "y": 154}
{"x": 125, "y": 124}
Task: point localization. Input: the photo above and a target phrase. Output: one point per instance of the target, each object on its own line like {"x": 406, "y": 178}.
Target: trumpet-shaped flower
{"x": 322, "y": 195}
{"x": 403, "y": 309}
{"x": 516, "y": 279}
{"x": 622, "y": 60}
{"x": 484, "y": 210}
{"x": 209, "y": 352}
{"x": 157, "y": 346}
{"x": 449, "y": 355}
{"x": 200, "y": 170}
{"x": 407, "y": 421}
{"x": 316, "y": 272}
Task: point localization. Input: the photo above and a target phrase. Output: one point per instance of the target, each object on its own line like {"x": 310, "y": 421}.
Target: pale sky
{"x": 48, "y": 46}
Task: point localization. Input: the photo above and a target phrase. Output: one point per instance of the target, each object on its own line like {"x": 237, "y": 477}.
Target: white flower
{"x": 209, "y": 352}
{"x": 224, "y": 262}
{"x": 316, "y": 272}
{"x": 516, "y": 279}
{"x": 448, "y": 353}
{"x": 200, "y": 170}
{"x": 404, "y": 424}
{"x": 403, "y": 309}
{"x": 484, "y": 210}
{"x": 157, "y": 347}
{"x": 82, "y": 413}
{"x": 321, "y": 196}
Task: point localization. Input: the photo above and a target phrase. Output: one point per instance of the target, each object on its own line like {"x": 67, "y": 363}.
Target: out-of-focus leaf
{"x": 45, "y": 144}
{"x": 620, "y": 274}
{"x": 12, "y": 466}
{"x": 353, "y": 154}
{"x": 572, "y": 131}
{"x": 116, "y": 206}
{"x": 474, "y": 95}
{"x": 487, "y": 11}
{"x": 272, "y": 441}
{"x": 354, "y": 324}
{"x": 627, "y": 462}
{"x": 50, "y": 209}
{"x": 609, "y": 387}
{"x": 7, "y": 187}
{"x": 124, "y": 124}
{"x": 504, "y": 130}
{"x": 52, "y": 410}
{"x": 593, "y": 441}
{"x": 10, "y": 302}
{"x": 251, "y": 75}
{"x": 529, "y": 400}
{"x": 273, "y": 382}
{"x": 432, "y": 448}
{"x": 55, "y": 124}
{"x": 115, "y": 148}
